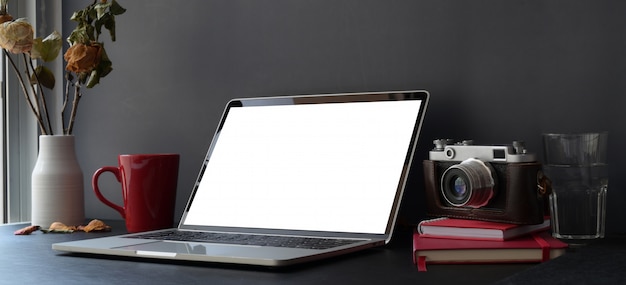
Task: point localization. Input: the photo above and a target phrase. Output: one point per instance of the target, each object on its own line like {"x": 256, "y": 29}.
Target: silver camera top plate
{"x": 516, "y": 153}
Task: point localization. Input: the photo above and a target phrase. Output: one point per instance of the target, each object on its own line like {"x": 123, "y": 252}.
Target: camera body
{"x": 490, "y": 183}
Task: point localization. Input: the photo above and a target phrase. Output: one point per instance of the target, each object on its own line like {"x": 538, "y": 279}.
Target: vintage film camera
{"x": 490, "y": 183}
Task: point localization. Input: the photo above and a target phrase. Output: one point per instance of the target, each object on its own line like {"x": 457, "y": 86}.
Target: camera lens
{"x": 468, "y": 184}
{"x": 460, "y": 187}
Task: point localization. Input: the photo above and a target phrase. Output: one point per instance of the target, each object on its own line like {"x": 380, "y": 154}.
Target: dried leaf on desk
{"x": 95, "y": 225}
{"x": 26, "y": 230}
{"x": 58, "y": 227}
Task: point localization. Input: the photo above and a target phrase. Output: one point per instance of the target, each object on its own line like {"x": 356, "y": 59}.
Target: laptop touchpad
{"x": 169, "y": 247}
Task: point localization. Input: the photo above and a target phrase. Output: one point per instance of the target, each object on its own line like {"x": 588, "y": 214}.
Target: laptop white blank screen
{"x": 317, "y": 167}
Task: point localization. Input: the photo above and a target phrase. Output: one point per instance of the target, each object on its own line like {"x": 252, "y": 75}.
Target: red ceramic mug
{"x": 148, "y": 189}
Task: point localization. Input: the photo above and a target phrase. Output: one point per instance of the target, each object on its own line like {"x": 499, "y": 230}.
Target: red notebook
{"x": 473, "y": 229}
{"x": 537, "y": 247}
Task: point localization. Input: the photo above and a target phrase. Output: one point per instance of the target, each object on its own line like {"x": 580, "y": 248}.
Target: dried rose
{"x": 16, "y": 36}
{"x": 83, "y": 58}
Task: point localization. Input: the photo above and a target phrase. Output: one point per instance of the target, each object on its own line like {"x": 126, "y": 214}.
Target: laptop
{"x": 290, "y": 179}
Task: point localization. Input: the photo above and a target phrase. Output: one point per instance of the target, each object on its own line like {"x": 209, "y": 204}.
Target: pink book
{"x": 474, "y": 229}
{"x": 536, "y": 247}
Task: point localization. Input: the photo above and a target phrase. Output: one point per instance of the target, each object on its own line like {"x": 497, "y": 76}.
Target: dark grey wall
{"x": 497, "y": 71}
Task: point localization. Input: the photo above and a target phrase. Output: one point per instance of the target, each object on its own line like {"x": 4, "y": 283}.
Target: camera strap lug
{"x": 544, "y": 185}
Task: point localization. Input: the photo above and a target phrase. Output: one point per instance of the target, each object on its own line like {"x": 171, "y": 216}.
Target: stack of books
{"x": 459, "y": 241}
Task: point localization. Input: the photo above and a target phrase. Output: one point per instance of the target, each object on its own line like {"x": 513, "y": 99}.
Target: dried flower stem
{"x": 39, "y": 94}
{"x": 77, "y": 96}
{"x": 65, "y": 100}
{"x": 26, "y": 94}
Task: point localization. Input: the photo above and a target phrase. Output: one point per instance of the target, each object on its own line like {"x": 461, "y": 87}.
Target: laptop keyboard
{"x": 247, "y": 239}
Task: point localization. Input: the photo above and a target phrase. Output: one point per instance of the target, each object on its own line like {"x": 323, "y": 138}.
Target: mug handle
{"x": 94, "y": 183}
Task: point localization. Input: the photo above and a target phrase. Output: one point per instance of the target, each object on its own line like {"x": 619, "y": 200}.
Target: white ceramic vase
{"x": 57, "y": 183}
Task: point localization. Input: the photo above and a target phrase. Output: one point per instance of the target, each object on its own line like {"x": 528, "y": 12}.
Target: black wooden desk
{"x": 30, "y": 260}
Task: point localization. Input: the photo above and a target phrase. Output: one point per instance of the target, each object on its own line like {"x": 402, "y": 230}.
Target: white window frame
{"x": 20, "y": 133}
